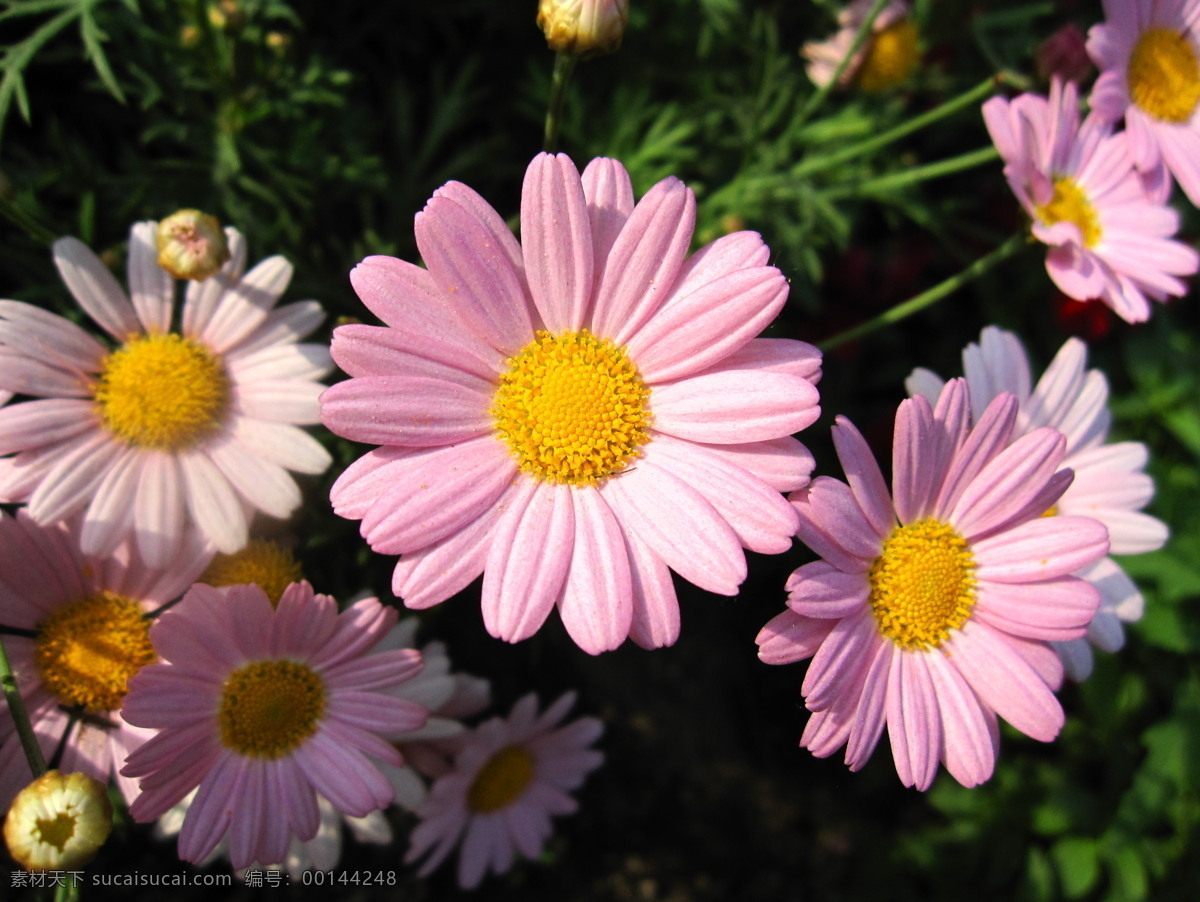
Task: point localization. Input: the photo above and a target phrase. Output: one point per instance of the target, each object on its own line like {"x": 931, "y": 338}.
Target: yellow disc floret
{"x": 269, "y": 708}
{"x": 892, "y": 54}
{"x": 571, "y": 408}
{"x": 502, "y": 780}
{"x": 1070, "y": 204}
{"x": 263, "y": 563}
{"x": 164, "y": 392}
{"x": 87, "y": 652}
{"x": 922, "y": 584}
{"x": 1164, "y": 75}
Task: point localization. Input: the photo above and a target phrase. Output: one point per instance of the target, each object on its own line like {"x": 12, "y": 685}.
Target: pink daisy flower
{"x": 933, "y": 606}
{"x": 1148, "y": 53}
{"x": 574, "y": 416}
{"x": 263, "y": 708}
{"x": 884, "y": 60}
{"x": 435, "y": 688}
{"x": 1109, "y": 484}
{"x": 77, "y": 632}
{"x": 1109, "y": 237}
{"x": 162, "y": 427}
{"x": 509, "y": 777}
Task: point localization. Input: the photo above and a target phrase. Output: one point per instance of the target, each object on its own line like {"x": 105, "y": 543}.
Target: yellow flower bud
{"x": 58, "y": 822}
{"x": 191, "y": 245}
{"x": 583, "y": 27}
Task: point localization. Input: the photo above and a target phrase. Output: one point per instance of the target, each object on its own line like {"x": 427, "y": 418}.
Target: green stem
{"x": 895, "y": 180}
{"x": 860, "y": 38}
{"x": 926, "y": 298}
{"x": 23, "y": 220}
{"x": 20, "y": 716}
{"x": 564, "y": 65}
{"x": 949, "y": 108}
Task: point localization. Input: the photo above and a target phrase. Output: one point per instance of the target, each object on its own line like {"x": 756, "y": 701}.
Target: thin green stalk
{"x": 949, "y": 108}
{"x": 20, "y": 716}
{"x": 564, "y": 65}
{"x": 926, "y": 298}
{"x": 860, "y": 38}
{"x": 23, "y": 220}
{"x": 894, "y": 180}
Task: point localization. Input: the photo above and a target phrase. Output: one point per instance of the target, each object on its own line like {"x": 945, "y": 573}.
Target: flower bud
{"x": 583, "y": 28}
{"x": 191, "y": 245}
{"x": 58, "y": 822}
{"x": 1064, "y": 54}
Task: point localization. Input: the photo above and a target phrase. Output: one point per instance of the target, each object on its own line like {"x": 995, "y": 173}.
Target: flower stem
{"x": 860, "y": 38}
{"x": 928, "y": 297}
{"x": 20, "y": 716}
{"x": 564, "y": 65}
{"x": 949, "y": 108}
{"x": 894, "y": 180}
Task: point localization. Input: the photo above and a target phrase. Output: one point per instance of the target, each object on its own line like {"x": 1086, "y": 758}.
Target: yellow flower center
{"x": 922, "y": 584}
{"x": 56, "y": 831}
{"x": 502, "y": 780}
{"x": 263, "y": 563}
{"x": 892, "y": 54}
{"x": 1052, "y": 511}
{"x": 87, "y": 651}
{"x": 1070, "y": 204}
{"x": 1164, "y": 75}
{"x": 164, "y": 392}
{"x": 269, "y": 708}
{"x": 571, "y": 408}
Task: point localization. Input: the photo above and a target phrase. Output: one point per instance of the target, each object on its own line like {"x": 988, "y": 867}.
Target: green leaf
{"x": 1077, "y": 865}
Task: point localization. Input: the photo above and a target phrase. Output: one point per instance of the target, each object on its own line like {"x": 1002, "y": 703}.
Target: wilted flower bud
{"x": 58, "y": 822}
{"x": 191, "y": 245}
{"x": 1064, "y": 54}
{"x": 583, "y": 27}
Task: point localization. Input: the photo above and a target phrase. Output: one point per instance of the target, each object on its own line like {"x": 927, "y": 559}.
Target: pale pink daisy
{"x": 1110, "y": 237}
{"x": 435, "y": 688}
{"x": 1148, "y": 53}
{"x": 159, "y": 428}
{"x": 510, "y": 776}
{"x": 77, "y": 631}
{"x": 933, "y": 606}
{"x": 576, "y": 415}
{"x": 884, "y": 60}
{"x": 263, "y": 708}
{"x": 1109, "y": 486}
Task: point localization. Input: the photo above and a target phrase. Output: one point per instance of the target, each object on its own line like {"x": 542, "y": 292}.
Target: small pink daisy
{"x": 932, "y": 608}
{"x": 1109, "y": 484}
{"x": 509, "y": 777}
{"x": 574, "y": 416}
{"x": 1148, "y": 53}
{"x": 263, "y": 708}
{"x": 886, "y": 58}
{"x": 80, "y": 633}
{"x": 1109, "y": 237}
{"x": 160, "y": 428}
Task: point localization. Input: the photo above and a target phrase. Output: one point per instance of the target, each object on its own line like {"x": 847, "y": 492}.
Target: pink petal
{"x": 655, "y": 620}
{"x": 865, "y": 477}
{"x": 822, "y": 591}
{"x": 609, "y": 196}
{"x": 729, "y": 407}
{"x": 644, "y": 260}
{"x": 95, "y": 288}
{"x": 244, "y": 307}
{"x": 151, "y": 288}
{"x": 788, "y": 638}
{"x": 556, "y": 239}
{"x": 528, "y": 561}
{"x": 443, "y": 408}
{"x": 213, "y": 504}
{"x": 1040, "y": 549}
{"x": 1051, "y": 610}
{"x": 914, "y": 728}
{"x": 596, "y": 605}
{"x": 679, "y": 526}
{"x": 967, "y": 747}
{"x": 782, "y": 463}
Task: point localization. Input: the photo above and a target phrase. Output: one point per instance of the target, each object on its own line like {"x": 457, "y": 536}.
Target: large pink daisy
{"x": 80, "y": 633}
{"x": 933, "y": 606}
{"x": 1148, "y": 53}
{"x": 1109, "y": 485}
{"x": 510, "y": 776}
{"x": 159, "y": 428}
{"x": 1108, "y": 237}
{"x": 263, "y": 708}
{"x": 576, "y": 415}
